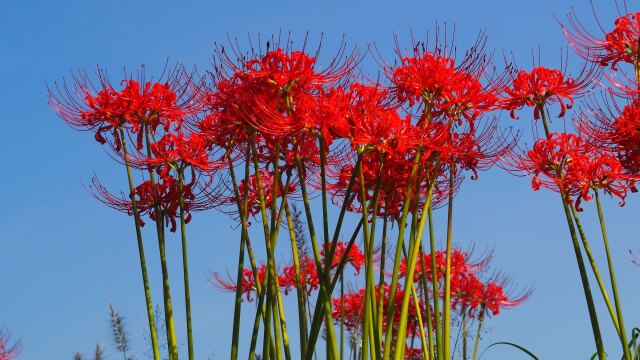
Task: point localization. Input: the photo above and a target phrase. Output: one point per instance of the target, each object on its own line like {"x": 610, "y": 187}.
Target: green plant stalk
{"x": 166, "y": 291}
{"x": 423, "y": 337}
{"x": 185, "y": 263}
{"x": 398, "y": 258}
{"x": 319, "y": 310}
{"x": 369, "y": 234}
{"x": 325, "y": 296}
{"x": 168, "y": 307}
{"x": 614, "y": 287}
{"x": 142, "y": 257}
{"x": 593, "y": 316}
{"x": 260, "y": 314}
{"x": 383, "y": 248}
{"x": 414, "y": 247}
{"x": 436, "y": 286}
{"x": 427, "y": 301}
{"x": 242, "y": 209}
{"x": 271, "y": 291}
{"x": 342, "y": 317}
{"x": 596, "y": 272}
{"x": 480, "y": 321}
{"x": 446, "y": 302}
{"x": 300, "y": 290}
{"x": 465, "y": 333}
{"x": 367, "y": 325}
{"x": 585, "y": 282}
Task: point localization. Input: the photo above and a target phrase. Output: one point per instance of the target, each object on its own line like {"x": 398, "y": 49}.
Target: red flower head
{"x": 542, "y": 87}
{"x": 308, "y": 276}
{"x": 442, "y": 87}
{"x": 352, "y": 307}
{"x": 105, "y": 109}
{"x": 161, "y": 198}
{"x": 355, "y": 257}
{"x": 619, "y": 45}
{"x": 8, "y": 351}
{"x": 178, "y": 152}
{"x": 268, "y": 189}
{"x": 567, "y": 164}
{"x": 248, "y": 281}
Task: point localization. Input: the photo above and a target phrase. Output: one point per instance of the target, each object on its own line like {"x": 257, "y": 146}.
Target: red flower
{"x": 107, "y": 110}
{"x": 163, "y": 196}
{"x": 565, "y": 163}
{"x": 355, "y": 257}
{"x": 618, "y": 45}
{"x": 542, "y": 87}
{"x": 268, "y": 191}
{"x": 248, "y": 281}
{"x": 8, "y": 351}
{"x": 435, "y": 82}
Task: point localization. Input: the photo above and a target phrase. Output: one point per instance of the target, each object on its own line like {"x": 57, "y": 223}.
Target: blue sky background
{"x": 64, "y": 256}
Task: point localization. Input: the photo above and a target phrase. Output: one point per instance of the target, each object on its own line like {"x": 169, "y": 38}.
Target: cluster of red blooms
{"x": 287, "y": 276}
{"x": 288, "y": 115}
{"x": 7, "y": 351}
{"x": 154, "y": 114}
{"x": 469, "y": 295}
{"x": 567, "y": 164}
{"x": 605, "y": 155}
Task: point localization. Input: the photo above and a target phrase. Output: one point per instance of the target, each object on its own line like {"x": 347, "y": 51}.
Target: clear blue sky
{"x": 64, "y": 256}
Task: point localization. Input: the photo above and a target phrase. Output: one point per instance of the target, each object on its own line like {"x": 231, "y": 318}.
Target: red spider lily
{"x": 308, "y": 276}
{"x": 351, "y": 308}
{"x": 106, "y": 110}
{"x": 268, "y": 190}
{"x": 542, "y": 87}
{"x": 248, "y": 281}
{"x": 443, "y": 88}
{"x": 567, "y": 164}
{"x": 7, "y": 351}
{"x": 548, "y": 162}
{"x": 375, "y": 125}
{"x": 460, "y": 266}
{"x": 279, "y": 89}
{"x": 177, "y": 151}
{"x": 355, "y": 257}
{"x": 163, "y": 196}
{"x": 618, "y": 45}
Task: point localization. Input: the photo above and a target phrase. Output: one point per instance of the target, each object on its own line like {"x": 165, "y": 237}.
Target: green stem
{"x": 185, "y": 263}
{"x": 436, "y": 287}
{"x": 242, "y": 209}
{"x": 595, "y": 327}
{"x": 411, "y": 260}
{"x": 614, "y": 287}
{"x": 446, "y": 303}
{"x": 325, "y": 296}
{"x": 585, "y": 282}
{"x": 166, "y": 290}
{"x": 142, "y": 257}
{"x": 398, "y": 258}
{"x": 594, "y": 268}
{"x": 480, "y": 321}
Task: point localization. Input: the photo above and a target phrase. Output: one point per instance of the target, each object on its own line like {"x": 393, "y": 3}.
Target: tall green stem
{"x": 594, "y": 268}
{"x": 398, "y": 257}
{"x": 446, "y": 303}
{"x": 593, "y": 316}
{"x": 185, "y": 263}
{"x": 143, "y": 261}
{"x": 585, "y": 282}
{"x": 622, "y": 331}
{"x": 480, "y": 321}
{"x": 242, "y": 209}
